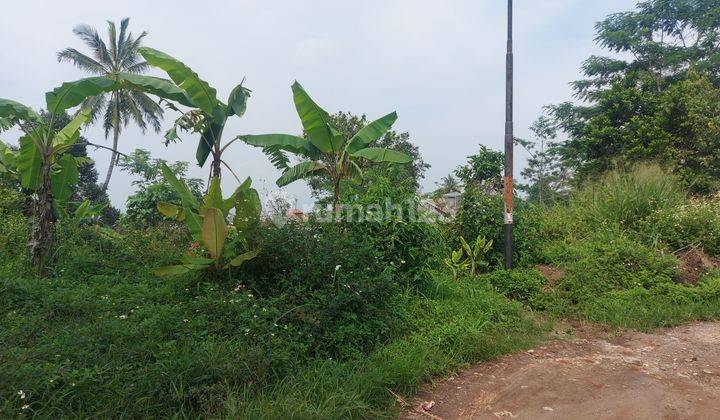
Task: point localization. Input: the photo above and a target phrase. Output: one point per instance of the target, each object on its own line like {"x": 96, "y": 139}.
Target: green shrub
{"x": 695, "y": 223}
{"x": 519, "y": 284}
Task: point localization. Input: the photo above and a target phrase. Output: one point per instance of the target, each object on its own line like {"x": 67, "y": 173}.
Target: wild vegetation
{"x": 193, "y": 303}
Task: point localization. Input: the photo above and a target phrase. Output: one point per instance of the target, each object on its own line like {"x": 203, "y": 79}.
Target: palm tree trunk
{"x": 114, "y": 156}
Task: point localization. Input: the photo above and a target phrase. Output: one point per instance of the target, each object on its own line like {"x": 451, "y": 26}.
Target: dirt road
{"x": 670, "y": 374}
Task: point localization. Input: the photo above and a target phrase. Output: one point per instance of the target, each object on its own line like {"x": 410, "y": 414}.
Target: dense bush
{"x": 520, "y": 284}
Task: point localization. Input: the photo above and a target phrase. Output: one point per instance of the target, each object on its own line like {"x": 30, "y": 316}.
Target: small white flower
{"x": 21, "y": 393}
{"x": 337, "y": 267}
{"x": 185, "y": 320}
{"x": 122, "y": 316}
{"x": 25, "y": 407}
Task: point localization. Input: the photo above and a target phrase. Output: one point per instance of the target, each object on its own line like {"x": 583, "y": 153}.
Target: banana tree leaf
{"x": 7, "y": 157}
{"x": 214, "y": 232}
{"x": 171, "y": 270}
{"x": 237, "y": 261}
{"x": 247, "y": 211}
{"x": 157, "y": 86}
{"x": 195, "y": 260}
{"x": 237, "y": 101}
{"x": 168, "y": 210}
{"x": 200, "y": 93}
{"x": 29, "y": 163}
{"x": 378, "y": 154}
{"x": 194, "y": 223}
{"x": 214, "y": 196}
{"x": 210, "y": 137}
{"x": 229, "y": 203}
{"x": 315, "y": 120}
{"x": 68, "y": 135}
{"x": 299, "y": 171}
{"x": 70, "y": 94}
{"x": 187, "y": 197}
{"x": 371, "y": 132}
{"x": 63, "y": 180}
{"x": 83, "y": 210}
{"x": 16, "y": 110}
{"x": 290, "y": 143}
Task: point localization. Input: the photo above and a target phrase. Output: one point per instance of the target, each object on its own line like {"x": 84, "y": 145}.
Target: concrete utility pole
{"x": 509, "y": 140}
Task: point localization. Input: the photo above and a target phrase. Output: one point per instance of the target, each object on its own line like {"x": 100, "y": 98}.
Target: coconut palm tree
{"x": 124, "y": 104}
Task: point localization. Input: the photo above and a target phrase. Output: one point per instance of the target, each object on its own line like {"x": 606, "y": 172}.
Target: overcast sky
{"x": 439, "y": 63}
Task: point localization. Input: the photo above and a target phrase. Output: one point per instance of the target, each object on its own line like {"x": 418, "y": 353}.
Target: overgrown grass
{"x": 461, "y": 323}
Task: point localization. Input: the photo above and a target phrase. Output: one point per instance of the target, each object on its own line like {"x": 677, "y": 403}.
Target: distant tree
{"x": 447, "y": 184}
{"x": 483, "y": 170}
{"x": 639, "y": 104}
{"x": 152, "y": 187}
{"x": 547, "y": 177}
{"x": 119, "y": 107}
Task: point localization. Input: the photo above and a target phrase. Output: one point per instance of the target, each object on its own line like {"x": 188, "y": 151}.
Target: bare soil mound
{"x": 694, "y": 262}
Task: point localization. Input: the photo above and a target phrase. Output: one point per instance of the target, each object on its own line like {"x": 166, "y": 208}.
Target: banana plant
{"x": 476, "y": 254}
{"x": 324, "y": 149}
{"x": 456, "y": 262}
{"x": 42, "y": 164}
{"x": 207, "y": 222}
{"x": 208, "y": 116}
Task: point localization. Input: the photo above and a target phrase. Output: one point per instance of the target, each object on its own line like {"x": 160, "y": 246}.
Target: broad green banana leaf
{"x": 68, "y": 134}
{"x": 290, "y": 143}
{"x": 315, "y": 120}
{"x": 213, "y": 198}
{"x": 209, "y": 138}
{"x": 237, "y": 261}
{"x": 171, "y": 270}
{"x": 200, "y": 93}
{"x": 299, "y": 171}
{"x": 237, "y": 101}
{"x": 195, "y": 260}
{"x": 194, "y": 223}
{"x": 214, "y": 232}
{"x": 29, "y": 164}
{"x": 63, "y": 180}
{"x": 7, "y": 157}
{"x": 247, "y": 211}
{"x": 157, "y": 86}
{"x": 378, "y": 154}
{"x": 371, "y": 132}
{"x": 16, "y": 110}
{"x": 187, "y": 197}
{"x": 168, "y": 209}
{"x": 70, "y": 94}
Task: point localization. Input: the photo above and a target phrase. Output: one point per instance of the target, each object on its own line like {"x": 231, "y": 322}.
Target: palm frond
{"x": 109, "y": 116}
{"x": 129, "y": 55}
{"x": 140, "y": 67}
{"x": 123, "y": 37}
{"x": 151, "y": 111}
{"x": 112, "y": 38}
{"x": 81, "y": 61}
{"x": 91, "y": 38}
{"x": 130, "y": 109}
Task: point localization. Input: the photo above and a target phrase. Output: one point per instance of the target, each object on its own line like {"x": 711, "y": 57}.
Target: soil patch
{"x": 672, "y": 374}
{"x": 694, "y": 262}
{"x": 551, "y": 274}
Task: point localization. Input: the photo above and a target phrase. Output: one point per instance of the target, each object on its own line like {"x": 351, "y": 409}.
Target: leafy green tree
{"x": 152, "y": 187}
{"x": 447, "y": 184}
{"x": 209, "y": 115}
{"x": 483, "y": 170}
{"x": 125, "y": 103}
{"x": 326, "y": 150}
{"x": 547, "y": 177}
{"x": 404, "y": 179}
{"x": 631, "y": 109}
